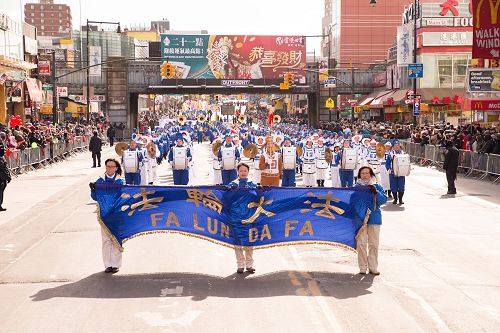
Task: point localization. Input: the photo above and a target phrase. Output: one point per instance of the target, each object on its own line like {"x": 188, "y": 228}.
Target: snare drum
{"x": 309, "y": 168}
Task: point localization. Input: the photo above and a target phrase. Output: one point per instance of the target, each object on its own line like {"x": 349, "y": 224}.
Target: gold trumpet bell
{"x": 277, "y": 119}
{"x": 242, "y": 119}
{"x": 215, "y": 148}
{"x": 201, "y": 119}
{"x": 181, "y": 120}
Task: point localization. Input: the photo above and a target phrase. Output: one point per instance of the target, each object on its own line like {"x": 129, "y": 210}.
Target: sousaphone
{"x": 299, "y": 150}
{"x": 120, "y": 148}
{"x": 181, "y": 120}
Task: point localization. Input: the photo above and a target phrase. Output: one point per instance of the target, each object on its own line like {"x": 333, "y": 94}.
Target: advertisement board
{"x": 234, "y": 57}
{"x": 405, "y": 44}
{"x": 480, "y": 80}
{"x": 486, "y": 44}
{"x": 485, "y": 105}
{"x": 95, "y": 60}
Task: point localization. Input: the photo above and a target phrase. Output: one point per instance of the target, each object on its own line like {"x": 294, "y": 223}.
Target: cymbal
{"x": 120, "y": 148}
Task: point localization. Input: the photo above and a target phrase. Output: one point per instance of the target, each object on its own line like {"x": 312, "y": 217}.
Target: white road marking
{"x": 156, "y": 319}
{"x": 434, "y": 316}
{"x": 177, "y": 291}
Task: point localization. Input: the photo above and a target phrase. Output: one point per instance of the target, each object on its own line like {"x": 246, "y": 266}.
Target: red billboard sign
{"x": 486, "y": 41}
{"x": 485, "y": 105}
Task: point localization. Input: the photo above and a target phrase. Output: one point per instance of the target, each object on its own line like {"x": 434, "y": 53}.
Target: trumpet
{"x": 242, "y": 119}
{"x": 201, "y": 118}
{"x": 277, "y": 119}
{"x": 181, "y": 119}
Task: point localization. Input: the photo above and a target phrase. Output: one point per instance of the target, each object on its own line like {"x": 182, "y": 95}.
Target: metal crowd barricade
{"x": 35, "y": 156}
{"x": 25, "y": 159}
{"x": 429, "y": 155}
{"x": 465, "y": 160}
{"x": 14, "y": 161}
{"x": 78, "y": 141}
{"x": 479, "y": 163}
{"x": 494, "y": 166}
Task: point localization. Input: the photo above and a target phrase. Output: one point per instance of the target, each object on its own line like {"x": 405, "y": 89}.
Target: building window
{"x": 32, "y": 7}
{"x": 41, "y": 15}
{"x": 42, "y": 21}
{"x": 41, "y": 7}
{"x": 60, "y": 7}
{"x": 60, "y": 15}
{"x": 32, "y": 14}
{"x": 42, "y": 27}
{"x": 60, "y": 21}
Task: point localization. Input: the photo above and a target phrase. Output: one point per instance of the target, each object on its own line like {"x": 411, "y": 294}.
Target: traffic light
{"x": 291, "y": 79}
{"x": 285, "y": 78}
{"x": 168, "y": 71}
{"x": 163, "y": 70}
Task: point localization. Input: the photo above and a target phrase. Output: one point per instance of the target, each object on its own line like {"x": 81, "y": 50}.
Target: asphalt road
{"x": 439, "y": 262}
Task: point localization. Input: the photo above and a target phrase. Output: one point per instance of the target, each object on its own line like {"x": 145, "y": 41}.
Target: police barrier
{"x": 20, "y": 161}
{"x": 494, "y": 166}
{"x": 479, "y": 164}
{"x": 429, "y": 155}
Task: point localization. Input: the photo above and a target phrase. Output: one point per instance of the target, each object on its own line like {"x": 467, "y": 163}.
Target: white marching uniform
{"x": 374, "y": 162}
{"x": 360, "y": 151}
{"x": 308, "y": 159}
{"x": 216, "y": 175}
{"x": 320, "y": 159}
{"x": 384, "y": 173}
{"x": 145, "y": 167}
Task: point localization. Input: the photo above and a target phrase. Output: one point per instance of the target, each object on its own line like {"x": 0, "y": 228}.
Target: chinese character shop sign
{"x": 234, "y": 57}
{"x": 486, "y": 44}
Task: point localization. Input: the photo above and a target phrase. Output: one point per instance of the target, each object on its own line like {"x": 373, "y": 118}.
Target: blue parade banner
{"x": 241, "y": 217}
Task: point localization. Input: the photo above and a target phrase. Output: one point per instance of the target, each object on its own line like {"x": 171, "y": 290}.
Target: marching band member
{"x": 271, "y": 164}
{"x": 309, "y": 164}
{"x": 216, "y": 167}
{"x": 290, "y": 160}
{"x": 368, "y": 240}
{"x": 397, "y": 183}
{"x": 335, "y": 166}
{"x": 111, "y": 255}
{"x": 228, "y": 155}
{"x": 145, "y": 167}
{"x": 244, "y": 258}
{"x": 132, "y": 159}
{"x": 257, "y": 172}
{"x": 321, "y": 164}
{"x": 372, "y": 159}
{"x": 179, "y": 158}
{"x": 346, "y": 175}
{"x": 384, "y": 173}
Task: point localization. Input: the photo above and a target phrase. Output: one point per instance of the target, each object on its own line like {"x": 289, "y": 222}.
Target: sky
{"x": 236, "y": 17}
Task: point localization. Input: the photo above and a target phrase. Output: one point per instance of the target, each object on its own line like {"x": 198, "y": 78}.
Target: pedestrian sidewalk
{"x": 30, "y": 189}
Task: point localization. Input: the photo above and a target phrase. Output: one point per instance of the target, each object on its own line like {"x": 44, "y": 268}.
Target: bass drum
{"x": 401, "y": 165}
{"x": 309, "y": 168}
{"x": 349, "y": 159}
{"x": 130, "y": 161}
{"x": 322, "y": 164}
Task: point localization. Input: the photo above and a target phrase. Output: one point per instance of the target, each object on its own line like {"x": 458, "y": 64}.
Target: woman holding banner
{"x": 368, "y": 239}
{"x": 111, "y": 255}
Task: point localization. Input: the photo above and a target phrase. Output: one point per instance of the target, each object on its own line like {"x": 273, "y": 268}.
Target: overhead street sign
{"x": 330, "y": 103}
{"x": 331, "y": 83}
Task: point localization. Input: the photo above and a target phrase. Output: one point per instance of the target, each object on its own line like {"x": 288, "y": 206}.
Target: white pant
{"x": 321, "y": 173}
{"x": 368, "y": 259}
{"x": 111, "y": 255}
{"x": 256, "y": 176}
{"x": 335, "y": 177}
{"x": 244, "y": 257}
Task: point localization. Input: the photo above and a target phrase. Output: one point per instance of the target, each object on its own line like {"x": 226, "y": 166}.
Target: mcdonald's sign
{"x": 485, "y": 105}
{"x": 486, "y": 19}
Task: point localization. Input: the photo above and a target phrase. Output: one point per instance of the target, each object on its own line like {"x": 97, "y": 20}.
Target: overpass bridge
{"x": 124, "y": 80}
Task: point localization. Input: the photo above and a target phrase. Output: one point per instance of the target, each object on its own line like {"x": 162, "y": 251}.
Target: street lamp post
{"x": 88, "y": 60}
{"x": 416, "y": 10}
{"x": 54, "y": 88}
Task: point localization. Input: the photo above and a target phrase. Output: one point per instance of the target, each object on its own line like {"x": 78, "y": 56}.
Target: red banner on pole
{"x": 486, "y": 41}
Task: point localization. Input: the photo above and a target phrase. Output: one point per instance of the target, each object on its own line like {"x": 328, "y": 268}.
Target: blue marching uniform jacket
{"x": 242, "y": 182}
